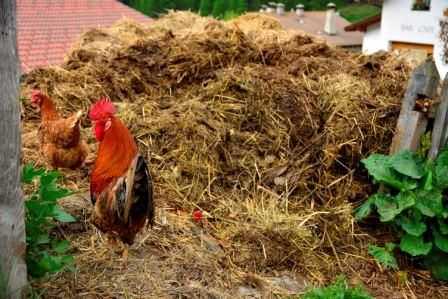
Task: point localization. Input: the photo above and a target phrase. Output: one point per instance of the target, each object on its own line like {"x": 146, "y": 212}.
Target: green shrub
{"x": 414, "y": 205}
{"x": 45, "y": 253}
{"x": 205, "y": 7}
{"x": 219, "y": 8}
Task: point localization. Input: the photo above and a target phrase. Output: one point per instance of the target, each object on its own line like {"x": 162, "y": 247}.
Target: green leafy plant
{"x": 414, "y": 204}
{"x": 339, "y": 289}
{"x": 45, "y": 253}
{"x": 425, "y": 144}
{"x": 384, "y": 255}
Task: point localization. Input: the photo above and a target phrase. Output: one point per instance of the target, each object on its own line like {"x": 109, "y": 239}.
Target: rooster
{"x": 120, "y": 182}
{"x": 60, "y": 138}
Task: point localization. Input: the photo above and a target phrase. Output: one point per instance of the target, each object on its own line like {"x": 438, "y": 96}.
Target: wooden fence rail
{"x": 423, "y": 110}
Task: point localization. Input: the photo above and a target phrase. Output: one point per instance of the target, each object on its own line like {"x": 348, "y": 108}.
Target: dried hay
{"x": 263, "y": 135}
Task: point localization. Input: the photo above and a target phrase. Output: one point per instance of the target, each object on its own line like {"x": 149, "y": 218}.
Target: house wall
{"x": 399, "y": 23}
{"x": 441, "y": 66}
{"x": 373, "y": 41}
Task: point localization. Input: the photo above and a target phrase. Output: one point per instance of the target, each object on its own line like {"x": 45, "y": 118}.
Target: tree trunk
{"x": 12, "y": 227}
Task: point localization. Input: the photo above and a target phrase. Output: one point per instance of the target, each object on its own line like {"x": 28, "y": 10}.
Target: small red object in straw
{"x": 197, "y": 216}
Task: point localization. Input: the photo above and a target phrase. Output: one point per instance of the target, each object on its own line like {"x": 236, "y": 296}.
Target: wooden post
{"x": 440, "y": 130}
{"x": 412, "y": 124}
{"x": 12, "y": 228}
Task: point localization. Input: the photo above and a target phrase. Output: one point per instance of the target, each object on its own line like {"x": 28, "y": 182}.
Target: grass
{"x": 338, "y": 289}
{"x": 322, "y": 4}
{"x": 357, "y": 12}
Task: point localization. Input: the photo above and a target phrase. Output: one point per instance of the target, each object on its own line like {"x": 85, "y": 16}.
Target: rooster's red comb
{"x": 102, "y": 109}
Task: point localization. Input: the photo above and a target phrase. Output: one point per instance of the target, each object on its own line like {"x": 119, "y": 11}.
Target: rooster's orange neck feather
{"x": 115, "y": 154}
{"x": 48, "y": 110}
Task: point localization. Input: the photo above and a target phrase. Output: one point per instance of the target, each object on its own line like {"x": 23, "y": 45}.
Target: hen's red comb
{"x": 102, "y": 109}
{"x": 36, "y": 93}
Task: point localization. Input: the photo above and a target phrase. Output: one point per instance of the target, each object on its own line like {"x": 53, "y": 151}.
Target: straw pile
{"x": 262, "y": 134}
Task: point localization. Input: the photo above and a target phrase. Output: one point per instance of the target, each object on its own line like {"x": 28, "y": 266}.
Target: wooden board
{"x": 410, "y": 129}
{"x": 412, "y": 124}
{"x": 440, "y": 129}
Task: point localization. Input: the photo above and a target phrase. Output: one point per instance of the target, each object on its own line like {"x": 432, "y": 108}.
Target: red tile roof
{"x": 47, "y": 28}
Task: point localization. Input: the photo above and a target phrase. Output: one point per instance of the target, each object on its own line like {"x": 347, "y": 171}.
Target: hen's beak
{"x": 35, "y": 106}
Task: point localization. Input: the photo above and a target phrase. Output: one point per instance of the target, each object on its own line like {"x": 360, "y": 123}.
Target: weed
{"x": 338, "y": 289}
{"x": 45, "y": 253}
{"x": 414, "y": 205}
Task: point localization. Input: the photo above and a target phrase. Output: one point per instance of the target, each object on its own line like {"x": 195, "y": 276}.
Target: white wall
{"x": 373, "y": 41}
{"x": 400, "y": 23}
{"x": 441, "y": 66}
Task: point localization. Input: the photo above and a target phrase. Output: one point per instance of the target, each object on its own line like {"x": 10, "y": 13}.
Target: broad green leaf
{"x": 49, "y": 189}
{"x": 55, "y": 194}
{"x": 62, "y": 216}
{"x": 440, "y": 241}
{"x": 380, "y": 168}
{"x": 429, "y": 203}
{"x": 38, "y": 209}
{"x": 443, "y": 227}
{"x": 390, "y": 246}
{"x": 407, "y": 163}
{"x": 61, "y": 246}
{"x": 384, "y": 256}
{"x": 387, "y": 207}
{"x": 411, "y": 225}
{"x": 42, "y": 239}
{"x": 29, "y": 173}
{"x": 441, "y": 169}
{"x": 50, "y": 263}
{"x": 428, "y": 181}
{"x": 415, "y": 246}
{"x": 365, "y": 209}
{"x": 33, "y": 267}
{"x": 49, "y": 178}
{"x": 437, "y": 262}
{"x": 67, "y": 259}
{"x": 405, "y": 199}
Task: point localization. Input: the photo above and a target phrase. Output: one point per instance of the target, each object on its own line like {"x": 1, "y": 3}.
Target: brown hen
{"x": 60, "y": 138}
